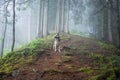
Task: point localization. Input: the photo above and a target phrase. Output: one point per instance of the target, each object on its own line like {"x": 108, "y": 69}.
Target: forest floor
{"x": 80, "y": 59}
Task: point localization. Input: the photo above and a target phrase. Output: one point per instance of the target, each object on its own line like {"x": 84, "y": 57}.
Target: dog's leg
{"x": 59, "y": 49}
{"x": 55, "y": 48}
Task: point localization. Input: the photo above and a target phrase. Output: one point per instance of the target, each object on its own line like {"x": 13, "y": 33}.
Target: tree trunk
{"x": 118, "y": 22}
{"x": 45, "y": 17}
{"x": 67, "y": 17}
{"x": 110, "y": 22}
{"x": 63, "y": 10}
{"x": 42, "y": 18}
{"x": 13, "y": 43}
{"x": 57, "y": 16}
{"x": 47, "y": 32}
{"x": 102, "y": 25}
{"x": 40, "y": 12}
{"x": 5, "y": 28}
{"x": 105, "y": 28}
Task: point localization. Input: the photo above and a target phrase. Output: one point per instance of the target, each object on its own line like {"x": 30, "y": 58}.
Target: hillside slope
{"x": 81, "y": 59}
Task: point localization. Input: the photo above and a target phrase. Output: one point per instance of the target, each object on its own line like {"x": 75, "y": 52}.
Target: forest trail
{"x": 75, "y": 62}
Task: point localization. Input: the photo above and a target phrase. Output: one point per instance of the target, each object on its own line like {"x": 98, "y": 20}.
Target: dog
{"x": 56, "y": 44}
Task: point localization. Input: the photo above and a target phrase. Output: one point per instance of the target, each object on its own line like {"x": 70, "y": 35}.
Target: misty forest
{"x": 59, "y": 39}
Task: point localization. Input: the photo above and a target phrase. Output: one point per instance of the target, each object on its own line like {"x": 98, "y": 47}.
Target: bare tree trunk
{"x": 40, "y": 16}
{"x": 13, "y": 44}
{"x": 62, "y": 20}
{"x": 57, "y": 16}
{"x": 118, "y": 22}
{"x": 102, "y": 25}
{"x": 110, "y": 23}
{"x": 67, "y": 18}
{"x": 5, "y": 28}
{"x": 47, "y": 17}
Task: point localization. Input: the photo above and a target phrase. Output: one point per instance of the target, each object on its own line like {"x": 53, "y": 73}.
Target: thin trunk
{"x": 62, "y": 20}
{"x": 5, "y": 28}
{"x": 105, "y": 28}
{"x": 110, "y": 23}
{"x": 47, "y": 17}
{"x": 42, "y": 21}
{"x": 118, "y": 21}
{"x": 13, "y": 44}
{"x": 57, "y": 16}
{"x": 40, "y": 12}
{"x": 102, "y": 25}
{"x": 67, "y": 18}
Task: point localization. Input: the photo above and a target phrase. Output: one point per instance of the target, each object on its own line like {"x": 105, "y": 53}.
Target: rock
{"x": 15, "y": 73}
{"x": 34, "y": 70}
{"x": 58, "y": 64}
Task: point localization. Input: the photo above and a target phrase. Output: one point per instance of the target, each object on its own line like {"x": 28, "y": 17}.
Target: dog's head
{"x": 57, "y": 36}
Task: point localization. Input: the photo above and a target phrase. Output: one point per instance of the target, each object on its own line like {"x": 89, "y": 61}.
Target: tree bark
{"x": 118, "y": 22}
{"x": 63, "y": 11}
{"x": 102, "y": 25}
{"x": 67, "y": 17}
{"x": 45, "y": 17}
{"x": 5, "y": 28}
{"x": 110, "y": 22}
{"x": 47, "y": 32}
{"x": 105, "y": 28}
{"x": 57, "y": 16}
{"x": 13, "y": 43}
{"x": 40, "y": 12}
{"x": 42, "y": 18}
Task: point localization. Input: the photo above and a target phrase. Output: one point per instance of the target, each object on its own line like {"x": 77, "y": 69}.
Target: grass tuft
{"x": 86, "y": 70}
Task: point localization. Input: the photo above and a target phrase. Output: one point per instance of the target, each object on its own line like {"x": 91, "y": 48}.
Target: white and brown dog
{"x": 56, "y": 45}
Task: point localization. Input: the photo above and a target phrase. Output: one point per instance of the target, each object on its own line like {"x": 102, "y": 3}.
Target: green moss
{"x": 30, "y": 59}
{"x": 67, "y": 53}
{"x": 83, "y": 47}
{"x": 86, "y": 70}
{"x": 6, "y": 68}
{"x": 113, "y": 61}
{"x": 24, "y": 55}
{"x": 111, "y": 74}
{"x": 92, "y": 78}
{"x": 97, "y": 57}
{"x": 70, "y": 66}
{"x": 65, "y": 59}
{"x": 83, "y": 50}
{"x": 107, "y": 46}
{"x": 48, "y": 70}
{"x": 105, "y": 62}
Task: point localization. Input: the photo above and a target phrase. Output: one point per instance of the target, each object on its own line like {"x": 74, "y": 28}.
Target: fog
{"x": 82, "y": 19}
